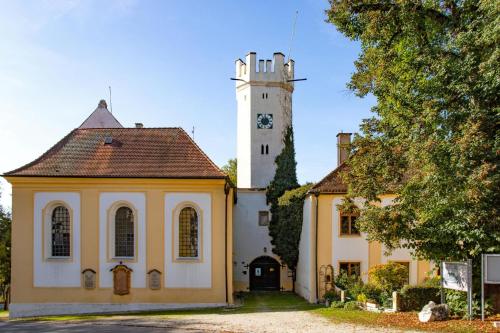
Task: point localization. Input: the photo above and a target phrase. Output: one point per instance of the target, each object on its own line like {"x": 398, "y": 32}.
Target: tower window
{"x": 266, "y": 96}
{"x": 263, "y": 218}
{"x": 267, "y": 149}
{"x": 262, "y": 149}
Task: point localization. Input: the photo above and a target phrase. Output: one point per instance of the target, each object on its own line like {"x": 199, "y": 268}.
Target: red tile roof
{"x": 133, "y": 153}
{"x": 332, "y": 183}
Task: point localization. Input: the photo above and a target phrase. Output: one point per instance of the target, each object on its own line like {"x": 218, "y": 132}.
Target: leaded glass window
{"x": 60, "y": 232}
{"x": 188, "y": 233}
{"x": 124, "y": 232}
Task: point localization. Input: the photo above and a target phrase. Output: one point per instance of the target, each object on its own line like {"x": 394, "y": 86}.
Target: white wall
{"x": 138, "y": 203}
{"x": 303, "y": 285}
{"x": 188, "y": 274}
{"x": 55, "y": 272}
{"x": 250, "y": 240}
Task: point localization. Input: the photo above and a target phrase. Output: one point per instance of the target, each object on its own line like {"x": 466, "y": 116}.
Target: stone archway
{"x": 265, "y": 274}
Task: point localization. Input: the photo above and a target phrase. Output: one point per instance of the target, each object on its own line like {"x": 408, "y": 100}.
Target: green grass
{"x": 349, "y": 316}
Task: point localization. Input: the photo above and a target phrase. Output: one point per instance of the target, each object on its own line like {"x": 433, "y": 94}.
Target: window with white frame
{"x": 60, "y": 231}
{"x": 124, "y": 232}
{"x": 188, "y": 233}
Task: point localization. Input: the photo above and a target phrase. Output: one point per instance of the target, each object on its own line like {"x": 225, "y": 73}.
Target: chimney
{"x": 139, "y": 125}
{"x": 102, "y": 104}
{"x": 343, "y": 147}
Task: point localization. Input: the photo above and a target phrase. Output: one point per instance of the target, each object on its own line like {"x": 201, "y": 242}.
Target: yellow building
{"x": 118, "y": 219}
{"x": 330, "y": 241}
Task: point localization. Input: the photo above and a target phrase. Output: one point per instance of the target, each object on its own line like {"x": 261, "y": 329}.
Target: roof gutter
{"x": 316, "y": 194}
{"x": 227, "y": 187}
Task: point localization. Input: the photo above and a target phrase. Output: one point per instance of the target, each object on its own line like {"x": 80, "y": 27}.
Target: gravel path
{"x": 265, "y": 322}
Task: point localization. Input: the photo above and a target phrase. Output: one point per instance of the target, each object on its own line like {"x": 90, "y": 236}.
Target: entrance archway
{"x": 265, "y": 274}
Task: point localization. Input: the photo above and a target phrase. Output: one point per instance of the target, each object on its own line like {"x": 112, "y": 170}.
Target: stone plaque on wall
{"x": 154, "y": 279}
{"x": 89, "y": 278}
{"x": 121, "y": 279}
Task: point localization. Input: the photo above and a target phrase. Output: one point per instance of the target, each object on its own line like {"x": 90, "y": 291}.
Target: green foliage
{"x": 413, "y": 298}
{"x": 372, "y": 292}
{"x": 286, "y": 208}
{"x": 287, "y": 227}
{"x": 388, "y": 277}
{"x": 337, "y": 305}
{"x": 346, "y": 282}
{"x": 433, "y": 140}
{"x": 332, "y": 296}
{"x": 457, "y": 302}
{"x": 231, "y": 169}
{"x": 285, "y": 177}
{"x": 351, "y": 305}
{"x": 5, "y": 255}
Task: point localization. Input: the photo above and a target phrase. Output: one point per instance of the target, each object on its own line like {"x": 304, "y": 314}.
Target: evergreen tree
{"x": 285, "y": 178}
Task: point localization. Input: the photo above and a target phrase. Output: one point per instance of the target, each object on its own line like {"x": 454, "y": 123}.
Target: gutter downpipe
{"x": 226, "y": 192}
{"x": 316, "y": 194}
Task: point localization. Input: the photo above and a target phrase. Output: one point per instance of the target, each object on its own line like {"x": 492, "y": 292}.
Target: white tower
{"x": 264, "y": 98}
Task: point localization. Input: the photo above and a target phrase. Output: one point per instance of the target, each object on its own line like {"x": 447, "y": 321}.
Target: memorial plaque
{"x": 121, "y": 279}
{"x": 154, "y": 279}
{"x": 89, "y": 278}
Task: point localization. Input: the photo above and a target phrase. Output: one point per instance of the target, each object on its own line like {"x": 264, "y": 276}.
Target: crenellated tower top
{"x": 275, "y": 70}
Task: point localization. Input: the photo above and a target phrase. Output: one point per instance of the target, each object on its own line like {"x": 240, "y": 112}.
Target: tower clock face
{"x": 265, "y": 120}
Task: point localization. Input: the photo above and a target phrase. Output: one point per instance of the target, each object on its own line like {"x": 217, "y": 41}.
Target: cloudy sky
{"x": 169, "y": 64}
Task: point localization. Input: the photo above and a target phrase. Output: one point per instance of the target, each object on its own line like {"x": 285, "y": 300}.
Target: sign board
{"x": 455, "y": 275}
{"x": 492, "y": 268}
{"x": 258, "y": 271}
{"x": 89, "y": 278}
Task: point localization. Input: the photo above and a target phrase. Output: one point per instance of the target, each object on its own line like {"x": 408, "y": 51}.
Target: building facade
{"x": 331, "y": 243}
{"x": 118, "y": 219}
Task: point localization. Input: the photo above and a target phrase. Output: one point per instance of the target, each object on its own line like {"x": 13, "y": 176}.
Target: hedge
{"x": 413, "y": 298}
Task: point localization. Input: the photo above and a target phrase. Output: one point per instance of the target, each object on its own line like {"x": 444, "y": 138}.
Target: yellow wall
{"x": 23, "y": 192}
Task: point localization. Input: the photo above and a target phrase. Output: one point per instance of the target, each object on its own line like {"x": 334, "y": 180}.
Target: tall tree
{"x": 231, "y": 169}
{"x": 5, "y": 250}
{"x": 285, "y": 178}
{"x": 433, "y": 141}
{"x": 287, "y": 228}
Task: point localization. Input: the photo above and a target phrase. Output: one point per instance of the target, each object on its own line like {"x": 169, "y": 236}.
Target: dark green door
{"x": 265, "y": 274}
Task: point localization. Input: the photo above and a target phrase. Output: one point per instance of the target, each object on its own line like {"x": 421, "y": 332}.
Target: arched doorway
{"x": 265, "y": 274}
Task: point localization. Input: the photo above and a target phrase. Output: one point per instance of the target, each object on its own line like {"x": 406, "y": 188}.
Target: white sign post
{"x": 458, "y": 276}
{"x": 490, "y": 274}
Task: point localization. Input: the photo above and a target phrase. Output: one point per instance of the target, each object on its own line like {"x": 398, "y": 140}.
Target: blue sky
{"x": 169, "y": 64}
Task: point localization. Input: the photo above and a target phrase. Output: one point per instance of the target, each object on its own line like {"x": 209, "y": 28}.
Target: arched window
{"x": 262, "y": 149}
{"x": 60, "y": 232}
{"x": 267, "y": 149}
{"x": 188, "y": 233}
{"x": 124, "y": 232}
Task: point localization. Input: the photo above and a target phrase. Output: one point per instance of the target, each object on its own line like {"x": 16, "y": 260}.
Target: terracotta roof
{"x": 332, "y": 183}
{"x": 132, "y": 153}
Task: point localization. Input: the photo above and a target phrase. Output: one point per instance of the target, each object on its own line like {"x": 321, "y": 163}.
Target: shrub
{"x": 332, "y": 295}
{"x": 372, "y": 292}
{"x": 345, "y": 281}
{"x": 361, "y": 298}
{"x": 413, "y": 298}
{"x": 457, "y": 302}
{"x": 337, "y": 305}
{"x": 388, "y": 277}
{"x": 351, "y": 305}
